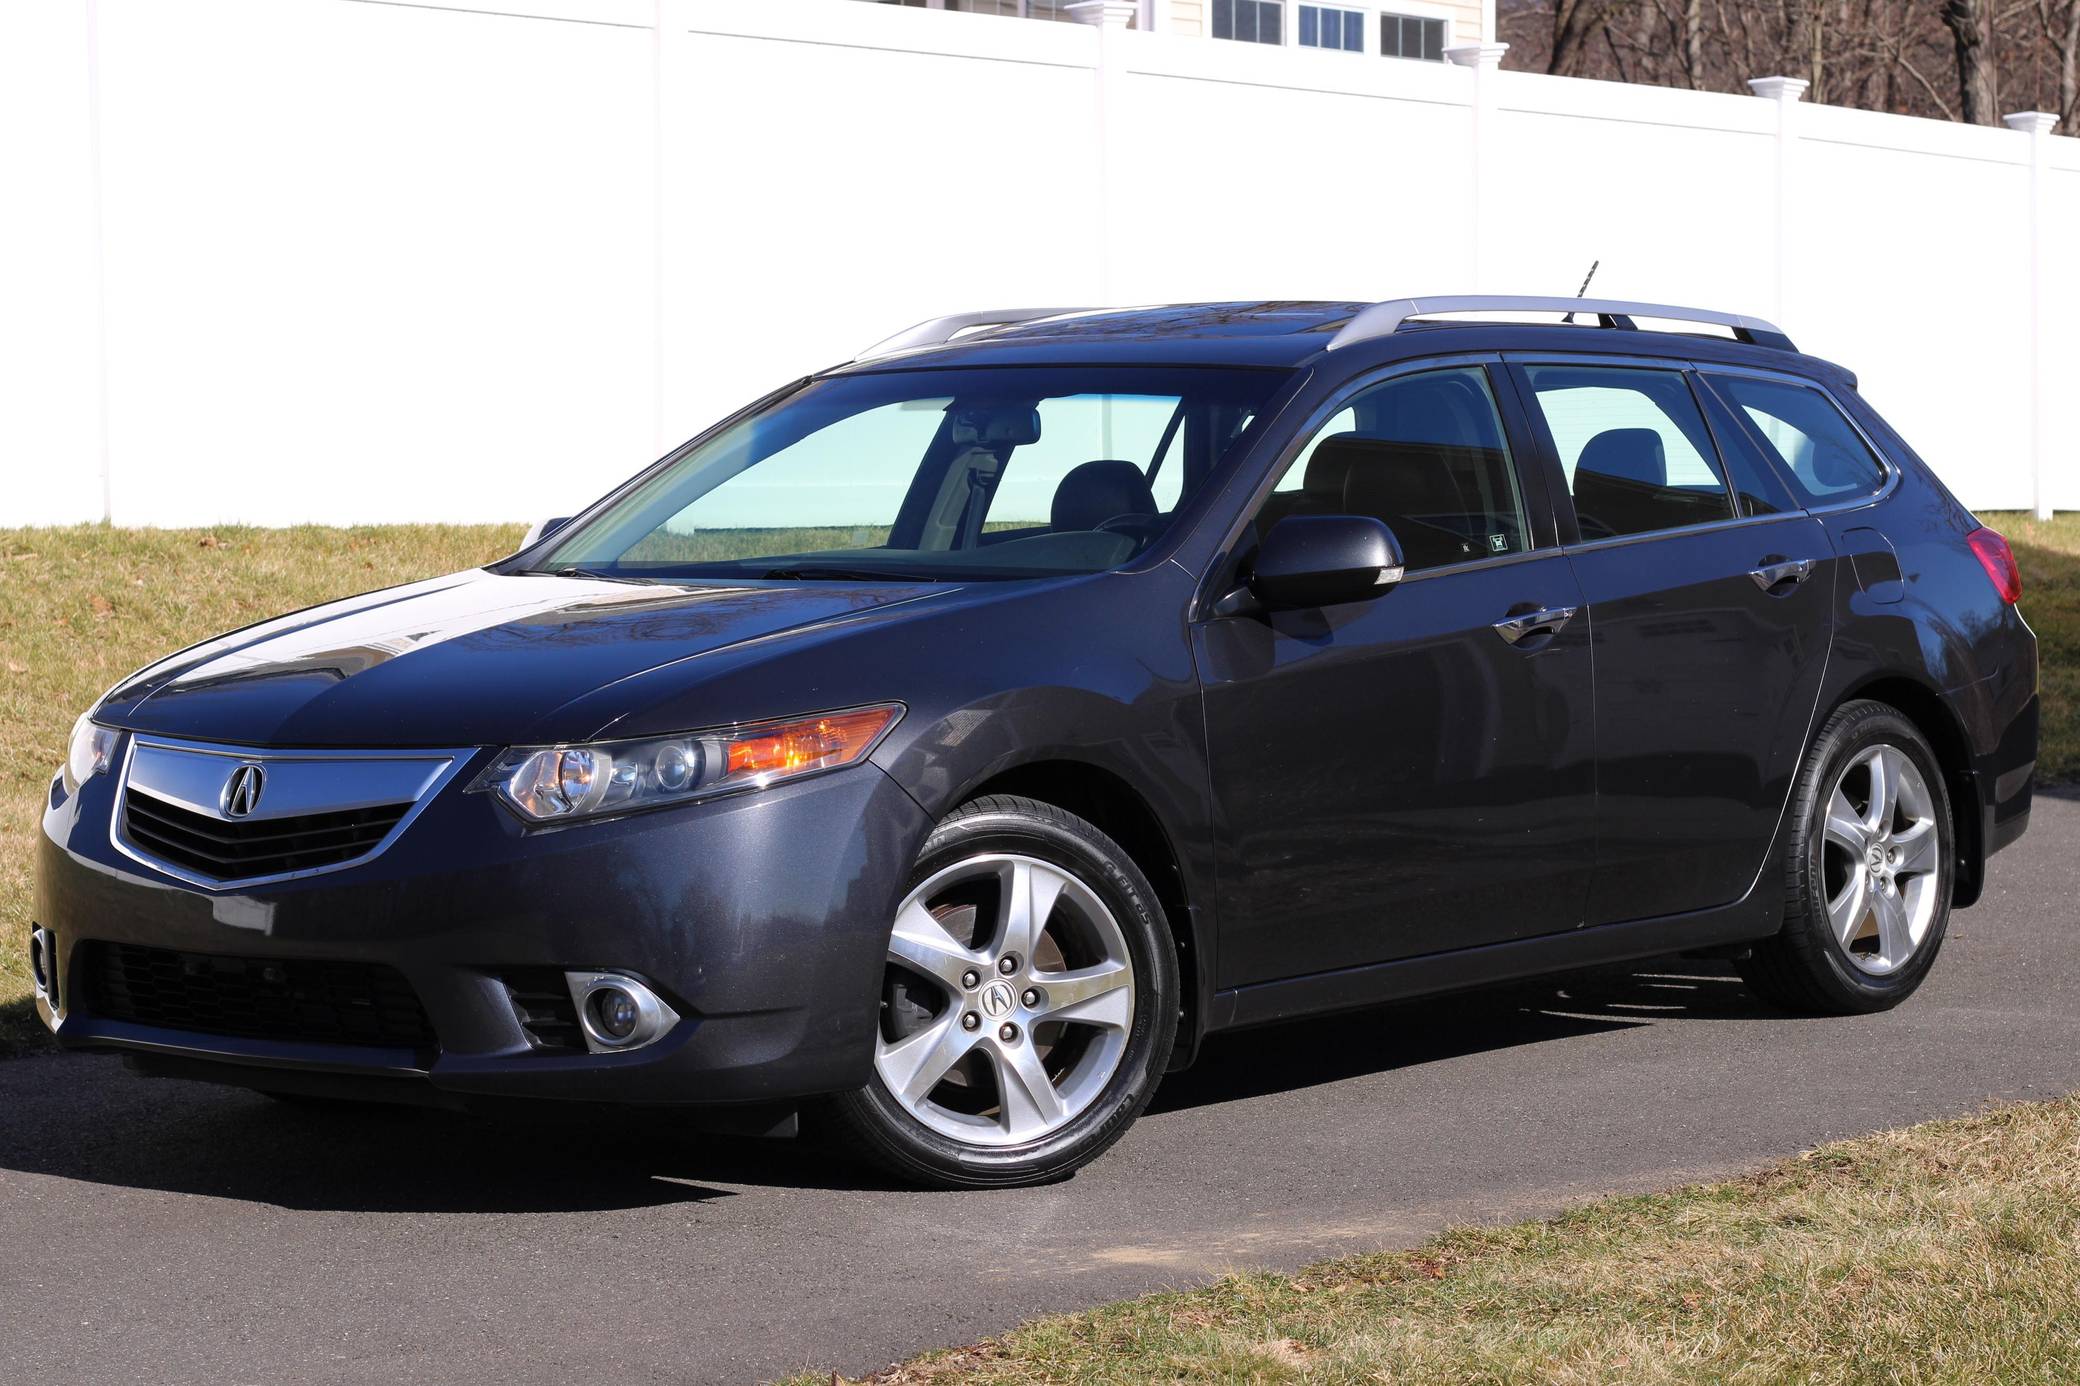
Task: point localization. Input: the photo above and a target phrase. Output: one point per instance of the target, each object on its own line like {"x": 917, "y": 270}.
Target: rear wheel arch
{"x": 1933, "y": 717}
{"x": 1114, "y": 807}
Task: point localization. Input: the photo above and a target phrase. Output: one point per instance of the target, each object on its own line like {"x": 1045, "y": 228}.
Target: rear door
{"x": 1710, "y": 601}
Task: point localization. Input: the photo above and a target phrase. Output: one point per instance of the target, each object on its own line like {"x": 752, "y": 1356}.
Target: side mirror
{"x": 541, "y": 530}
{"x": 1318, "y": 560}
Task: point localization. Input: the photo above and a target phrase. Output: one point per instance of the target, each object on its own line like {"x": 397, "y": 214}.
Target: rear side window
{"x": 1635, "y": 449}
{"x": 1824, "y": 454}
{"x": 1423, "y": 453}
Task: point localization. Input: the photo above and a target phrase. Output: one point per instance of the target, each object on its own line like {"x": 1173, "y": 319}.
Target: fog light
{"x": 618, "y": 1012}
{"x": 614, "y": 1010}
{"x": 43, "y": 965}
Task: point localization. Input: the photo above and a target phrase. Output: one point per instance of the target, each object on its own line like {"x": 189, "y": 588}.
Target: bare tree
{"x": 1577, "y": 24}
{"x": 1952, "y": 59}
{"x": 1978, "y": 80}
{"x": 2060, "y": 23}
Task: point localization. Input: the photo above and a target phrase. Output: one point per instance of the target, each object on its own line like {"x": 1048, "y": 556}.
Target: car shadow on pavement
{"x": 88, "y": 1119}
{"x": 1328, "y": 1049}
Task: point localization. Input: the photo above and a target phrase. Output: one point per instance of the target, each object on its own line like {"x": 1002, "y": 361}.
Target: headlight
{"x": 549, "y": 783}
{"x": 88, "y": 753}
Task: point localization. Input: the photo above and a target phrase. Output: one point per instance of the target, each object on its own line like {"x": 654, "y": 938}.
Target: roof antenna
{"x": 1585, "y": 286}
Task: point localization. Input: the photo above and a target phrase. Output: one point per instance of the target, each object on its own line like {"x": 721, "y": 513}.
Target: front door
{"x": 1414, "y": 773}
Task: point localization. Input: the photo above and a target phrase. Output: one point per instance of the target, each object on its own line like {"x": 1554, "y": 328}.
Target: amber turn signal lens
{"x": 814, "y": 743}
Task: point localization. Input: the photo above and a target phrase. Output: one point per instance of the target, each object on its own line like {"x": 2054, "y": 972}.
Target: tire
{"x": 1085, "y": 1006}
{"x": 1840, "y": 952}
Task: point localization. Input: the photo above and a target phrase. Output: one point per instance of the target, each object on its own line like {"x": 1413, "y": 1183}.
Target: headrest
{"x": 1329, "y": 465}
{"x": 1836, "y": 468}
{"x": 1413, "y": 479}
{"x": 1099, "y": 491}
{"x": 1630, "y": 454}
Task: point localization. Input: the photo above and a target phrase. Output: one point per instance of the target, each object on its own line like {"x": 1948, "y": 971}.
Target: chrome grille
{"x": 223, "y": 815}
{"x": 241, "y": 848}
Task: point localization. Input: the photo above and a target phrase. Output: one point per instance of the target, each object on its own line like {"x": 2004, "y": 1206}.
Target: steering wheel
{"x": 1136, "y": 527}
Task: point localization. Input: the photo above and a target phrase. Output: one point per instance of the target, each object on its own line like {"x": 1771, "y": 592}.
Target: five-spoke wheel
{"x": 1867, "y": 869}
{"x": 1881, "y": 861}
{"x": 1010, "y": 992}
{"x": 1028, "y": 1002}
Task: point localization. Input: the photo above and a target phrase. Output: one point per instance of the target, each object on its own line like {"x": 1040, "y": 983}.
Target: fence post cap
{"x": 1779, "y": 88}
{"x": 2032, "y": 122}
{"x": 1484, "y": 56}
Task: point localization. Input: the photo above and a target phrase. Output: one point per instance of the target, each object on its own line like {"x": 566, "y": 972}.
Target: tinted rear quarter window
{"x": 1821, "y": 451}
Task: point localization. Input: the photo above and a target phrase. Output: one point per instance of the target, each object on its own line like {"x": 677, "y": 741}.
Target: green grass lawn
{"x": 1945, "y": 1253}
{"x": 81, "y": 607}
{"x": 2048, "y": 552}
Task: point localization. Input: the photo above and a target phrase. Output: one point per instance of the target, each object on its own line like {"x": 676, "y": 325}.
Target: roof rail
{"x": 938, "y": 331}
{"x": 1385, "y": 319}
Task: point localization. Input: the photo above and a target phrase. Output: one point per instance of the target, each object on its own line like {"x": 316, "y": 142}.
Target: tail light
{"x": 1998, "y": 560}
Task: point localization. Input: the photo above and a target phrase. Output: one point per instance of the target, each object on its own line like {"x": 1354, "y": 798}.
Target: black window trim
{"x": 1571, "y": 540}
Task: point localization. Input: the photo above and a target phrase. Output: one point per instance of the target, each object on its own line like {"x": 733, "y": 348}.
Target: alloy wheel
{"x": 1881, "y": 859}
{"x": 1008, "y": 999}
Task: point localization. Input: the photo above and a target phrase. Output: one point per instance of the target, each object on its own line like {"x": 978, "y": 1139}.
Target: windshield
{"x": 929, "y": 475}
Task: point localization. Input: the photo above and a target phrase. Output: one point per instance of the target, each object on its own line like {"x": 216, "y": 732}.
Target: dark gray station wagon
{"x": 946, "y": 743}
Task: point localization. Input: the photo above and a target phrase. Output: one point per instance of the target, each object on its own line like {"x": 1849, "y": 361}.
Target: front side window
{"x": 1825, "y": 455}
{"x": 1327, "y": 26}
{"x": 1634, "y": 448}
{"x": 929, "y": 475}
{"x": 1251, "y": 21}
{"x": 1423, "y": 453}
{"x": 1411, "y": 36}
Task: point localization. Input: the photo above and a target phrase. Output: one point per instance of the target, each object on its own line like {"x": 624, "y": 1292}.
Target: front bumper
{"x": 763, "y": 919}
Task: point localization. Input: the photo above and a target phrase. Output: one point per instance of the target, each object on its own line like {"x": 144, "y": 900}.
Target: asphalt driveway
{"x": 171, "y": 1232}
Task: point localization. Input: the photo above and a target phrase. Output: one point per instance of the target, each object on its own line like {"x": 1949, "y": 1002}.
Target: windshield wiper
{"x": 804, "y": 572}
{"x": 602, "y": 575}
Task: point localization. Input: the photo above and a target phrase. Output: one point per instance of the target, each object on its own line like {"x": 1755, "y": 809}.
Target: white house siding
{"x": 353, "y": 262}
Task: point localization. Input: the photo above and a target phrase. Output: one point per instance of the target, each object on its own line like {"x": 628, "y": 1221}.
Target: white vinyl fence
{"x": 287, "y": 261}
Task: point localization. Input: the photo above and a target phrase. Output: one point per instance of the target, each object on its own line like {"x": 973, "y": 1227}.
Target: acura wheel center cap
{"x": 998, "y": 1000}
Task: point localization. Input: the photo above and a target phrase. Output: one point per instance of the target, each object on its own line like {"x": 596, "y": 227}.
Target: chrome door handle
{"x": 1517, "y": 629}
{"x": 1770, "y": 576}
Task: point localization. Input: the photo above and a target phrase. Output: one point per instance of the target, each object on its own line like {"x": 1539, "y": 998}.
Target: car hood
{"x": 479, "y": 658}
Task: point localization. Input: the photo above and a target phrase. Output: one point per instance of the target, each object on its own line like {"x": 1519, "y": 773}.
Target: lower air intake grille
{"x": 542, "y": 1003}
{"x": 294, "y": 999}
{"x": 234, "y": 851}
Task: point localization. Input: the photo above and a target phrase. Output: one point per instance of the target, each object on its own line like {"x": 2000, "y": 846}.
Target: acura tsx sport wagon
{"x": 948, "y": 742}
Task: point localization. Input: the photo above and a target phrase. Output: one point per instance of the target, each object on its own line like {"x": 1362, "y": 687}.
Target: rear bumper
{"x": 762, "y": 919}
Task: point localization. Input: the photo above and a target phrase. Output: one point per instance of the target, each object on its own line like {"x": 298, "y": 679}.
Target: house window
{"x": 1411, "y": 36}
{"x": 1325, "y": 26}
{"x": 1252, "y": 21}
{"x": 1019, "y": 9}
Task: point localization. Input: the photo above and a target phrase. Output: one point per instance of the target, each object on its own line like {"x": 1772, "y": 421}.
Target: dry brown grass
{"x": 1944, "y": 1253}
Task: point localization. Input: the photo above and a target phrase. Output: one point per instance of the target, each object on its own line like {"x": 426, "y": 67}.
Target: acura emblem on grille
{"x": 242, "y": 791}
